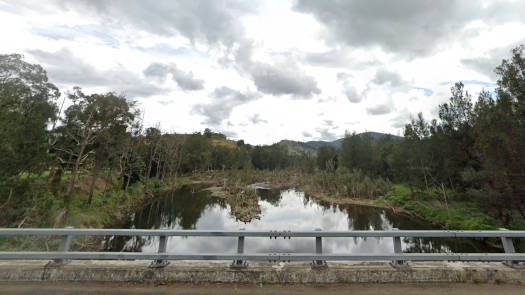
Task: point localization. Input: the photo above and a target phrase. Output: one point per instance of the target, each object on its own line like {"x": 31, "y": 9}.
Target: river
{"x": 289, "y": 209}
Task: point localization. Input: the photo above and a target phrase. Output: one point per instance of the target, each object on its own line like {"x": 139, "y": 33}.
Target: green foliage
{"x": 351, "y": 184}
{"x": 327, "y": 158}
{"x": 368, "y": 153}
{"x": 27, "y": 108}
{"x": 270, "y": 157}
{"x": 454, "y": 215}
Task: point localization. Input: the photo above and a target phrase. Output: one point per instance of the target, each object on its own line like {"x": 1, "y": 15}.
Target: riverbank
{"x": 450, "y": 211}
{"x": 111, "y": 204}
{"x": 461, "y": 216}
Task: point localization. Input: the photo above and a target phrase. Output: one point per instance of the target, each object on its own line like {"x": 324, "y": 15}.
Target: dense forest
{"x": 59, "y": 148}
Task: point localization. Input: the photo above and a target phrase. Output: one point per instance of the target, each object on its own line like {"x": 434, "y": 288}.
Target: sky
{"x": 264, "y": 71}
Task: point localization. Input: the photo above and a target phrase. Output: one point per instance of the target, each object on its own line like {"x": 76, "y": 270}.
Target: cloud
{"x": 284, "y": 78}
{"x": 336, "y": 58}
{"x": 384, "y": 76}
{"x": 326, "y": 135}
{"x": 487, "y": 63}
{"x": 225, "y": 100}
{"x": 166, "y": 50}
{"x": 229, "y": 133}
{"x": 331, "y": 58}
{"x": 212, "y": 22}
{"x": 349, "y": 90}
{"x": 63, "y": 67}
{"x": 306, "y": 134}
{"x": 406, "y": 27}
{"x": 401, "y": 119}
{"x": 380, "y": 109}
{"x": 351, "y": 93}
{"x": 184, "y": 80}
{"x": 256, "y": 119}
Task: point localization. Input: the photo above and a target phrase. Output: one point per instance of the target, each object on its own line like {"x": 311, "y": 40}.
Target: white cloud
{"x": 290, "y": 66}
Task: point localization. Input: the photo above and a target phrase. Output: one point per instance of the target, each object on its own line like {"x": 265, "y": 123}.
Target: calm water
{"x": 189, "y": 208}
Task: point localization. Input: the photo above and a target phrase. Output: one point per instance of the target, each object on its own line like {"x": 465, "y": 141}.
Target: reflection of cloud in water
{"x": 291, "y": 210}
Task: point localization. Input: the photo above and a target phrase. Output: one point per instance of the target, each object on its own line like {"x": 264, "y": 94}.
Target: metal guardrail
{"x": 161, "y": 258}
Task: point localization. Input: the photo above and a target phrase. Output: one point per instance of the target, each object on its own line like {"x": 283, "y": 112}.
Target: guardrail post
{"x": 65, "y": 244}
{"x": 319, "y": 250}
{"x": 397, "y": 250}
{"x": 240, "y": 250}
{"x": 508, "y": 246}
{"x": 159, "y": 263}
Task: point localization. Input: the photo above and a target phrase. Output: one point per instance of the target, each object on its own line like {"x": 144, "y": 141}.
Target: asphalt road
{"x": 60, "y": 288}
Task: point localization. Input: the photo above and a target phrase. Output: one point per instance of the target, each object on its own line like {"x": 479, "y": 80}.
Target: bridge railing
{"x": 161, "y": 258}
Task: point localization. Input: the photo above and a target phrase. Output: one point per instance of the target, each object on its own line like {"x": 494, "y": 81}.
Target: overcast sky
{"x": 263, "y": 71}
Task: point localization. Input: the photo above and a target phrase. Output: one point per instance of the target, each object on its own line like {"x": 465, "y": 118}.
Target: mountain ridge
{"x": 298, "y": 147}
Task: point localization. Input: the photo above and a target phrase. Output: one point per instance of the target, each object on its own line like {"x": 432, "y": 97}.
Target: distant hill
{"x": 299, "y": 147}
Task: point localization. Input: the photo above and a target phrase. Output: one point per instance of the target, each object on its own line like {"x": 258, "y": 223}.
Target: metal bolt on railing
{"x": 159, "y": 263}
{"x": 319, "y": 251}
{"x": 240, "y": 250}
{"x": 284, "y": 234}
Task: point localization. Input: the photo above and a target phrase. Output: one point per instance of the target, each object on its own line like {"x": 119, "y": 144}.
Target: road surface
{"x": 60, "y": 288}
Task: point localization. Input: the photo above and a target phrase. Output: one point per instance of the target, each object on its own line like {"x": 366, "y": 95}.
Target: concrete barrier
{"x": 257, "y": 272}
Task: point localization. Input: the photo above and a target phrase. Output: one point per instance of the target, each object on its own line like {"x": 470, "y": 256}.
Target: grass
{"x": 379, "y": 202}
{"x": 41, "y": 207}
{"x": 460, "y": 214}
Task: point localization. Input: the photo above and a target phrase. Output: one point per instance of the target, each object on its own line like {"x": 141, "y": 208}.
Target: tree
{"x": 327, "y": 158}
{"x": 417, "y": 134}
{"x": 499, "y": 146}
{"x": 197, "y": 152}
{"x": 27, "y": 109}
{"x": 152, "y": 143}
{"x": 208, "y": 133}
{"x": 90, "y": 119}
{"x": 358, "y": 152}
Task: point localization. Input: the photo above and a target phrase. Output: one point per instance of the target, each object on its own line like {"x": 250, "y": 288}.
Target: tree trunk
{"x": 92, "y": 185}
{"x": 75, "y": 170}
{"x": 107, "y": 180}
{"x": 52, "y": 173}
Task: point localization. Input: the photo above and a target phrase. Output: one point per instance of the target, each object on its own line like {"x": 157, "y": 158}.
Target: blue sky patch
{"x": 71, "y": 33}
{"x": 469, "y": 82}
{"x": 427, "y": 91}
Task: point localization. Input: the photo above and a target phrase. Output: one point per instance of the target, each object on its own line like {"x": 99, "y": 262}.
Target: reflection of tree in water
{"x": 446, "y": 245}
{"x": 272, "y": 196}
{"x": 180, "y": 208}
{"x": 364, "y": 218}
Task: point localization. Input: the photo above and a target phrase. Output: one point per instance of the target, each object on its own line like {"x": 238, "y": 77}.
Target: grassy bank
{"x": 450, "y": 211}
{"x": 44, "y": 206}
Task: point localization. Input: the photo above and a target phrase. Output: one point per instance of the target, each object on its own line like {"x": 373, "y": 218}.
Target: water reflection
{"x": 280, "y": 210}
